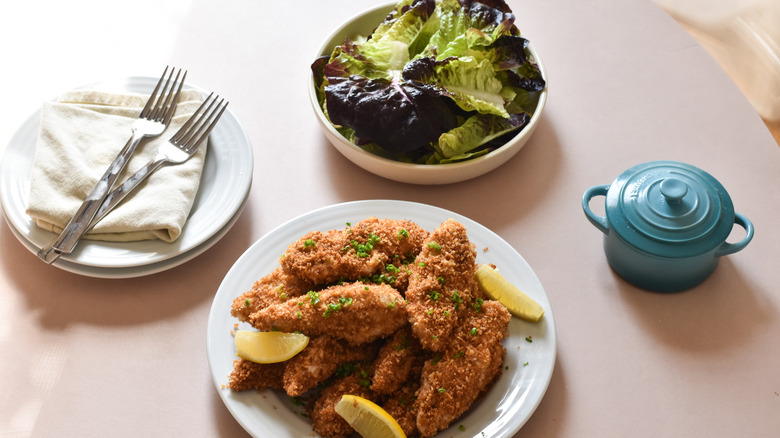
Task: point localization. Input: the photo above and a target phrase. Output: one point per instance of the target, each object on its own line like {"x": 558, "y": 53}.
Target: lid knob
{"x": 673, "y": 190}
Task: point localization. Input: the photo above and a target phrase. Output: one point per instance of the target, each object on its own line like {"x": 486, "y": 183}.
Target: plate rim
{"x": 142, "y": 270}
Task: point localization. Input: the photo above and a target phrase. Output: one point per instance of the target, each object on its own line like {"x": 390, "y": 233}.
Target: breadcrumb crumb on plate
{"x": 502, "y": 411}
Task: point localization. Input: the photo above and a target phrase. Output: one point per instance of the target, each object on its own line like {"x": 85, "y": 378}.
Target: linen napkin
{"x": 80, "y": 134}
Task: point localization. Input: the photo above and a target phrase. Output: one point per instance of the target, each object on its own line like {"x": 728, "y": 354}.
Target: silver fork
{"x": 177, "y": 150}
{"x": 183, "y": 145}
{"x": 154, "y": 118}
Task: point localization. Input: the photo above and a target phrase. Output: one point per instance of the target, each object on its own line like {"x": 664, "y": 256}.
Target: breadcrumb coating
{"x": 401, "y": 406}
{"x": 393, "y": 364}
{"x": 352, "y": 253}
{"x": 276, "y": 287}
{"x": 357, "y": 313}
{"x": 319, "y": 361}
{"x": 259, "y": 376}
{"x": 325, "y": 420}
{"x": 401, "y": 403}
{"x": 472, "y": 361}
{"x": 442, "y": 283}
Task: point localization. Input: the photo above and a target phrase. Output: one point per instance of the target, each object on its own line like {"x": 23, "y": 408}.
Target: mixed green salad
{"x": 438, "y": 81}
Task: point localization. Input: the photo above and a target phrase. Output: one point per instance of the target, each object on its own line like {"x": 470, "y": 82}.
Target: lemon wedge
{"x": 269, "y": 347}
{"x": 498, "y": 288}
{"x": 367, "y": 418}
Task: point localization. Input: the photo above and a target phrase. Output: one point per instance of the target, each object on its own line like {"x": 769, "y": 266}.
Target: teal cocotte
{"x": 666, "y": 224}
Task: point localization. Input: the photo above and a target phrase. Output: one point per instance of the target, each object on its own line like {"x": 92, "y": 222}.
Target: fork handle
{"x": 79, "y": 224}
{"x": 128, "y": 186}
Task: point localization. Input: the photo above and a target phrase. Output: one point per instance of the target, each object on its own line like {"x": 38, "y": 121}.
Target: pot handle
{"x": 599, "y": 221}
{"x": 730, "y": 248}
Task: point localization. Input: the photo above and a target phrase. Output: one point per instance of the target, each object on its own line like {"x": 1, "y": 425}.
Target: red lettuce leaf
{"x": 400, "y": 117}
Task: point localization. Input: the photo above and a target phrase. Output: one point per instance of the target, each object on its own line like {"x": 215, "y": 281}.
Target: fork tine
{"x": 187, "y": 138}
{"x": 192, "y": 120}
{"x": 151, "y": 101}
{"x": 162, "y": 102}
{"x": 165, "y": 98}
{"x": 206, "y": 128}
{"x": 172, "y": 99}
{"x": 193, "y": 133}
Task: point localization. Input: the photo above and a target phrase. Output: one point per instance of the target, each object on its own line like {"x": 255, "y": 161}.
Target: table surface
{"x": 85, "y": 356}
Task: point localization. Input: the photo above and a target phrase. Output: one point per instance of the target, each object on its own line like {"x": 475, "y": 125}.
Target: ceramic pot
{"x": 666, "y": 224}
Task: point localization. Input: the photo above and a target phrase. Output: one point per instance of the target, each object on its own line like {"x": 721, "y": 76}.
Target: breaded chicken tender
{"x": 355, "y": 252}
{"x": 394, "y": 362}
{"x": 319, "y": 361}
{"x": 259, "y": 376}
{"x": 400, "y": 405}
{"x": 276, "y": 287}
{"x": 442, "y": 283}
{"x": 472, "y": 361}
{"x": 325, "y": 420}
{"x": 357, "y": 313}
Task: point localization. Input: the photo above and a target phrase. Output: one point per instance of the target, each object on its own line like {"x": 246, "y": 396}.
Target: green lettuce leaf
{"x": 411, "y": 23}
{"x": 471, "y": 83}
{"x": 476, "y": 131}
{"x": 388, "y": 49}
{"x": 467, "y": 28}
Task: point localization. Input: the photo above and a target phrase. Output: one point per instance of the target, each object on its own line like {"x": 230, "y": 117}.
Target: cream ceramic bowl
{"x": 428, "y": 174}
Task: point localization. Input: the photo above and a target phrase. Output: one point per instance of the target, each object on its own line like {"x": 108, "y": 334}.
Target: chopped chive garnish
{"x": 314, "y": 297}
{"x": 455, "y": 298}
{"x": 477, "y": 304}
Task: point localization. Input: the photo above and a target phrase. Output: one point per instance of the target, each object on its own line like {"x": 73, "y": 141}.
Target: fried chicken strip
{"x": 325, "y": 420}
{"x": 250, "y": 375}
{"x": 400, "y": 405}
{"x": 355, "y": 252}
{"x": 276, "y": 287}
{"x": 468, "y": 366}
{"x": 319, "y": 361}
{"x": 355, "y": 312}
{"x": 393, "y": 364}
{"x": 441, "y": 284}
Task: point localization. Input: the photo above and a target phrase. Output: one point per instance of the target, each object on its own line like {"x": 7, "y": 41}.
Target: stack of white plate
{"x": 223, "y": 191}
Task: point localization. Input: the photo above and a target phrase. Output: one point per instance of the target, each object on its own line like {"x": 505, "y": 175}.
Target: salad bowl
{"x": 407, "y": 171}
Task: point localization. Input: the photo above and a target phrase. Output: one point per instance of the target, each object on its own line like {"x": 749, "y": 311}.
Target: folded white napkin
{"x": 80, "y": 134}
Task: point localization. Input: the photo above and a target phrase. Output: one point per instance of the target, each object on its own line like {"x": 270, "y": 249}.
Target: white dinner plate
{"x": 499, "y": 414}
{"x": 225, "y": 184}
{"x": 143, "y": 270}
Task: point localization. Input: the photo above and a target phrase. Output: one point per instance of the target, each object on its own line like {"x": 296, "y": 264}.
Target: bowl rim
{"x": 498, "y": 154}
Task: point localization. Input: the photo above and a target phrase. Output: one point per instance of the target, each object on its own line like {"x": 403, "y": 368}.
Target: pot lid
{"x": 669, "y": 209}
